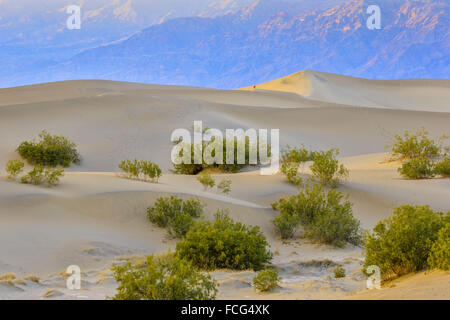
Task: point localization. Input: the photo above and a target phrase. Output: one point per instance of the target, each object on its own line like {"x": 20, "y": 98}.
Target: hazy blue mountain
{"x": 267, "y": 39}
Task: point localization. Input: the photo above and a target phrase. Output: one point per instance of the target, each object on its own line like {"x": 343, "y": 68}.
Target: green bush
{"x": 35, "y": 176}
{"x": 225, "y": 244}
{"x": 52, "y": 175}
{"x": 51, "y": 151}
{"x": 327, "y": 217}
{"x": 339, "y": 272}
{"x": 292, "y": 159}
{"x": 440, "y": 251}
{"x": 206, "y": 180}
{"x": 163, "y": 278}
{"x": 131, "y": 168}
{"x": 266, "y": 280}
{"x": 144, "y": 169}
{"x": 14, "y": 168}
{"x": 40, "y": 174}
{"x": 418, "y": 145}
{"x": 193, "y": 169}
{"x": 442, "y": 168}
{"x": 150, "y": 170}
{"x": 326, "y": 168}
{"x": 417, "y": 168}
{"x": 175, "y": 214}
{"x": 286, "y": 224}
{"x": 225, "y": 186}
{"x": 402, "y": 243}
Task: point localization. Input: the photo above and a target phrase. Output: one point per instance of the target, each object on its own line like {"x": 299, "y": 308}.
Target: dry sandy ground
{"x": 94, "y": 218}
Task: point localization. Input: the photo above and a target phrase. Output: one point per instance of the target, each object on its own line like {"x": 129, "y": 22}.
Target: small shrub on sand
{"x": 52, "y": 175}
{"x": 225, "y": 244}
{"x": 131, "y": 168}
{"x": 14, "y": 168}
{"x": 206, "y": 180}
{"x": 174, "y": 213}
{"x": 51, "y": 151}
{"x": 416, "y": 145}
{"x": 417, "y": 168}
{"x": 292, "y": 159}
{"x": 35, "y": 176}
{"x": 339, "y": 272}
{"x": 146, "y": 170}
{"x": 266, "y": 280}
{"x": 442, "y": 168}
{"x": 193, "y": 169}
{"x": 225, "y": 186}
{"x": 402, "y": 243}
{"x": 440, "y": 251}
{"x": 40, "y": 174}
{"x": 327, "y": 217}
{"x": 165, "y": 277}
{"x": 326, "y": 168}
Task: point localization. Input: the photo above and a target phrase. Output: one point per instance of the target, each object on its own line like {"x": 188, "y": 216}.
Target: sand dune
{"x": 419, "y": 95}
{"x": 95, "y": 217}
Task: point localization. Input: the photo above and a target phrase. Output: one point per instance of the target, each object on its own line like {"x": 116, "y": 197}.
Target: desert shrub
{"x": 52, "y": 175}
{"x": 163, "y": 278}
{"x": 417, "y": 168}
{"x": 193, "y": 169}
{"x": 175, "y": 214}
{"x": 266, "y": 280}
{"x": 416, "y": 145}
{"x": 440, "y": 251}
{"x": 292, "y": 159}
{"x": 442, "y": 168}
{"x": 51, "y": 151}
{"x": 150, "y": 170}
{"x": 326, "y": 168}
{"x": 14, "y": 168}
{"x": 135, "y": 169}
{"x": 402, "y": 243}
{"x": 131, "y": 168}
{"x": 35, "y": 176}
{"x": 225, "y": 186}
{"x": 225, "y": 244}
{"x": 206, "y": 180}
{"x": 40, "y": 174}
{"x": 339, "y": 272}
{"x": 286, "y": 224}
{"x": 326, "y": 216}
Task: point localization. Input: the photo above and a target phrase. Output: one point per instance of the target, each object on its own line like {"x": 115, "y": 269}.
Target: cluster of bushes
{"x": 205, "y": 245}
{"x": 50, "y": 150}
{"x": 325, "y": 167}
{"x": 208, "y": 181}
{"x": 222, "y": 243}
{"x": 326, "y": 217}
{"x": 413, "y": 239}
{"x": 47, "y": 155}
{"x": 193, "y": 169}
{"x": 166, "y": 277}
{"x": 175, "y": 214}
{"x": 142, "y": 169}
{"x": 421, "y": 157}
{"x": 38, "y": 175}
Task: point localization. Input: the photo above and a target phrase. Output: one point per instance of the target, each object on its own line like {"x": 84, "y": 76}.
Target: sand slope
{"x": 420, "y": 95}
{"x": 94, "y": 217}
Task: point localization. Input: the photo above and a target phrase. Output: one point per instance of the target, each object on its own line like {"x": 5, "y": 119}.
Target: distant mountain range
{"x": 230, "y": 44}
